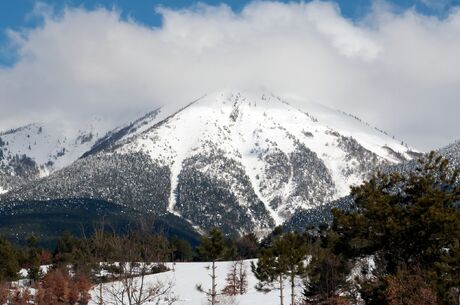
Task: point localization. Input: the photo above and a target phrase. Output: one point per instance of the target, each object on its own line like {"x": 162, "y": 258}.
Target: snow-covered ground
{"x": 186, "y": 276}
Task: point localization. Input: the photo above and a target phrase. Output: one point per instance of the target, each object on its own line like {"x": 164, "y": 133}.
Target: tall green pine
{"x": 284, "y": 259}
{"x": 212, "y": 248}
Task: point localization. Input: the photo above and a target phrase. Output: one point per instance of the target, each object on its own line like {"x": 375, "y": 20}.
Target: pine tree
{"x": 33, "y": 259}
{"x": 326, "y": 275}
{"x": 212, "y": 248}
{"x": 182, "y": 250}
{"x": 284, "y": 259}
{"x": 9, "y": 265}
{"x": 295, "y": 259}
{"x": 270, "y": 269}
{"x": 408, "y": 220}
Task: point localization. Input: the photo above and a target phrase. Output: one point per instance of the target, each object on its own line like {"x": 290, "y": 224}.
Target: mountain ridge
{"x": 242, "y": 161}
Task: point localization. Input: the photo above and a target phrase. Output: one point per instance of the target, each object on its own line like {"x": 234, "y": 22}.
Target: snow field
{"x": 187, "y": 275}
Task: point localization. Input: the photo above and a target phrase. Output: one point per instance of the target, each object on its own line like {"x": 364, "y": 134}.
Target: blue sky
{"x": 16, "y": 14}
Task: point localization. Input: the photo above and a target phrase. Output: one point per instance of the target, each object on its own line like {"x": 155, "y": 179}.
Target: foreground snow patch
{"x": 186, "y": 276}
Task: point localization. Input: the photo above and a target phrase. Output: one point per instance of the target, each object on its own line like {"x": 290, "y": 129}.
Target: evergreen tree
{"x": 284, "y": 259}
{"x": 326, "y": 276}
{"x": 406, "y": 220}
{"x": 182, "y": 250}
{"x": 247, "y": 246}
{"x": 9, "y": 265}
{"x": 296, "y": 256}
{"x": 33, "y": 259}
{"x": 212, "y": 248}
{"x": 270, "y": 269}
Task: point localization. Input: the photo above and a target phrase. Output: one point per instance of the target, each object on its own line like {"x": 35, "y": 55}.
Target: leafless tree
{"x": 131, "y": 286}
{"x": 212, "y": 293}
{"x": 135, "y": 291}
{"x": 236, "y": 280}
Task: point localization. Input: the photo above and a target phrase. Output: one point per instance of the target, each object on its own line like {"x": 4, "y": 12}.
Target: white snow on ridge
{"x": 246, "y": 126}
{"x": 348, "y": 125}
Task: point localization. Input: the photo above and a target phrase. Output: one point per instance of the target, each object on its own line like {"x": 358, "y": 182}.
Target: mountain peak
{"x": 240, "y": 160}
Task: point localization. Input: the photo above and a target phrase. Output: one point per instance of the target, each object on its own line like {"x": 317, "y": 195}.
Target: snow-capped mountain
{"x": 37, "y": 150}
{"x": 241, "y": 161}
{"x": 40, "y": 149}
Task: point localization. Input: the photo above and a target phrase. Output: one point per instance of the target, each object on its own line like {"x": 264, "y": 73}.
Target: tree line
{"x": 400, "y": 246}
{"x": 101, "y": 259}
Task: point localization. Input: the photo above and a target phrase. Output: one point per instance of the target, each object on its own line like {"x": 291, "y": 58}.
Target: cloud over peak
{"x": 399, "y": 71}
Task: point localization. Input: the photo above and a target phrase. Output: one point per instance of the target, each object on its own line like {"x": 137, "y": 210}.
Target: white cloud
{"x": 400, "y": 72}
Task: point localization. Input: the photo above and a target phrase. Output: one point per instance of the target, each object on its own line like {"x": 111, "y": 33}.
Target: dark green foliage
{"x": 33, "y": 258}
{"x": 70, "y": 249}
{"x": 212, "y": 247}
{"x": 182, "y": 250}
{"x": 284, "y": 258}
{"x": 48, "y": 220}
{"x": 9, "y": 265}
{"x": 109, "y": 247}
{"x": 247, "y": 246}
{"x": 406, "y": 220}
{"x": 231, "y": 252}
{"x": 326, "y": 275}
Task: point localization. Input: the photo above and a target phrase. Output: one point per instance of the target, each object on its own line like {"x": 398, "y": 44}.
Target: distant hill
{"x": 48, "y": 220}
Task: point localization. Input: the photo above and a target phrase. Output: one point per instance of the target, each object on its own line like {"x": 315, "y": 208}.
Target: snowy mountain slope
{"x": 281, "y": 149}
{"x": 452, "y": 152}
{"x": 36, "y": 150}
{"x": 322, "y": 214}
{"x": 240, "y": 161}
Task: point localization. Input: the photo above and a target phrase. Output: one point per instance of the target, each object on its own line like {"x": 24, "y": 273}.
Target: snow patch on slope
{"x": 3, "y": 191}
